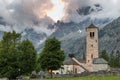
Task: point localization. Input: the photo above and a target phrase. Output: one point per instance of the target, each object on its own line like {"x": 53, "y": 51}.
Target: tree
{"x": 104, "y": 55}
{"x": 112, "y": 59}
{"x": 117, "y": 58}
{"x": 16, "y": 56}
{"x": 8, "y": 54}
{"x": 28, "y": 57}
{"x": 71, "y": 55}
{"x": 37, "y": 67}
{"x": 51, "y": 57}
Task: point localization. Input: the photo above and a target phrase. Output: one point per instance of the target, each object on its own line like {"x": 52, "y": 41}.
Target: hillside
{"x": 109, "y": 37}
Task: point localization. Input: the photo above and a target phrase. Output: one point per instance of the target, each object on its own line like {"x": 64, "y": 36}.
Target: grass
{"x": 87, "y": 78}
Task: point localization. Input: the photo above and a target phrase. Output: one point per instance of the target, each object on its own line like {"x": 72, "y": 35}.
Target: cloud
{"x": 110, "y": 9}
{"x": 71, "y": 7}
{"x": 21, "y": 14}
{"x": 30, "y": 11}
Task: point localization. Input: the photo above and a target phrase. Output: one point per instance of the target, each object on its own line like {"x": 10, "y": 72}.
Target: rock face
{"x": 110, "y": 37}
{"x": 89, "y": 9}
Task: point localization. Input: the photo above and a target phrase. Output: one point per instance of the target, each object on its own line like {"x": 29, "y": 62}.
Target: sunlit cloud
{"x": 58, "y": 10}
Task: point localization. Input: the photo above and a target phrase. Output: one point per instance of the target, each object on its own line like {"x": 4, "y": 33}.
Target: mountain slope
{"x": 110, "y": 37}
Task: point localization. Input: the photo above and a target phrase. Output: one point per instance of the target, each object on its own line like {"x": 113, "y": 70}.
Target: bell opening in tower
{"x": 92, "y": 34}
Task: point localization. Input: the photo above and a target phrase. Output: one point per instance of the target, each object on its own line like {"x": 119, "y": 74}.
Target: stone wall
{"x": 99, "y": 67}
{"x": 100, "y": 73}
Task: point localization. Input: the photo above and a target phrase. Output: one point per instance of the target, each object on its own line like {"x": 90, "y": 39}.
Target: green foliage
{"x": 51, "y": 57}
{"x": 8, "y": 55}
{"x": 113, "y": 59}
{"x": 15, "y": 55}
{"x": 37, "y": 66}
{"x": 104, "y": 55}
{"x": 28, "y": 57}
{"x": 71, "y": 55}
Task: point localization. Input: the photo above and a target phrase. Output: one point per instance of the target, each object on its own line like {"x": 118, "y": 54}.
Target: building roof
{"x": 80, "y": 60}
{"x": 69, "y": 61}
{"x": 92, "y": 26}
{"x": 99, "y": 61}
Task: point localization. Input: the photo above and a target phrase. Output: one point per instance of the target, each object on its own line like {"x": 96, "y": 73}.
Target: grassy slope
{"x": 87, "y": 78}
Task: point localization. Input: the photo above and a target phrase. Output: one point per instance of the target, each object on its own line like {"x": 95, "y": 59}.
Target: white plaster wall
{"x": 67, "y": 69}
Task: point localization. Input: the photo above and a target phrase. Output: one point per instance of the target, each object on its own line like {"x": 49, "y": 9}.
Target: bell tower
{"x": 91, "y": 44}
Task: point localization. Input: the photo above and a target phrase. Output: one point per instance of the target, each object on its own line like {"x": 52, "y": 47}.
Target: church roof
{"x": 69, "y": 61}
{"x": 92, "y": 26}
{"x": 80, "y": 60}
{"x": 99, "y": 61}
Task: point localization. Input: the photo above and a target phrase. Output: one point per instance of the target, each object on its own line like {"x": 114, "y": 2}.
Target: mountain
{"x": 109, "y": 37}
{"x": 34, "y": 37}
{"x": 72, "y": 34}
{"x": 86, "y": 10}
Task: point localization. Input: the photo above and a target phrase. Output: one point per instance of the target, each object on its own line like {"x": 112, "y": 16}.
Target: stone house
{"x": 92, "y": 63}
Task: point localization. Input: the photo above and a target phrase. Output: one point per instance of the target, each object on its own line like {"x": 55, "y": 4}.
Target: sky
{"x": 38, "y": 14}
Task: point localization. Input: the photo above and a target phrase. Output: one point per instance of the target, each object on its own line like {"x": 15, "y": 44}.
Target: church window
{"x": 92, "y": 34}
{"x": 92, "y": 56}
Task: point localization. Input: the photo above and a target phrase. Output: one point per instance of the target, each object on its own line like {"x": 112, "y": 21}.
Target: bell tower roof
{"x": 92, "y": 26}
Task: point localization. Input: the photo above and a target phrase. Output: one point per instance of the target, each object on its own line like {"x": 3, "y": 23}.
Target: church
{"x": 92, "y": 63}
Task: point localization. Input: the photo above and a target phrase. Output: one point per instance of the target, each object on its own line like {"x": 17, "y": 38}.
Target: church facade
{"x": 92, "y": 63}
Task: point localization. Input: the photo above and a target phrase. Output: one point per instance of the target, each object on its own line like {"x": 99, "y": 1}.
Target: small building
{"x": 72, "y": 67}
{"x": 92, "y": 63}
{"x": 100, "y": 65}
